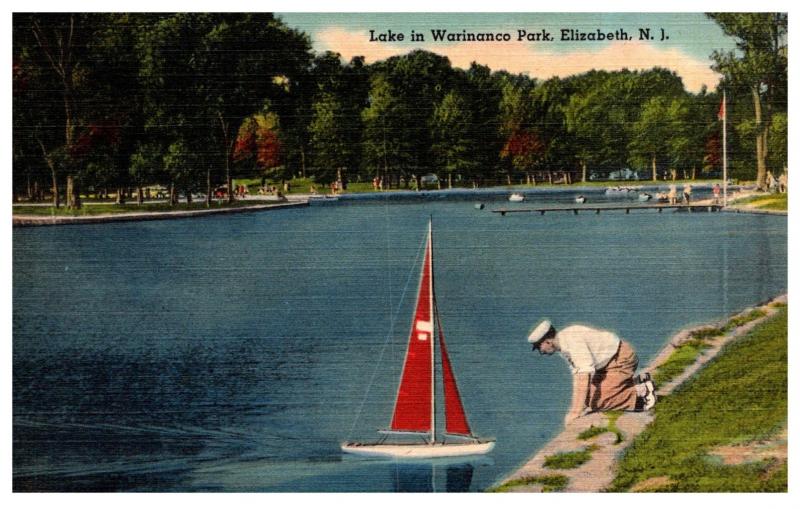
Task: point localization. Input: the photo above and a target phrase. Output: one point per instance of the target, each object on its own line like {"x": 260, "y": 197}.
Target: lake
{"x": 235, "y": 353}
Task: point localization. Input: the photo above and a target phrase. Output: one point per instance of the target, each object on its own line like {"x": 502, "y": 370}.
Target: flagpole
{"x": 724, "y": 152}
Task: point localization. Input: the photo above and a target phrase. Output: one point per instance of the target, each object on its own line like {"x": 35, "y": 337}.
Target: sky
{"x": 691, "y": 39}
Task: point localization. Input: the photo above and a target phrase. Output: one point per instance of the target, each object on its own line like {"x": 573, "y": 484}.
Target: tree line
{"x": 189, "y": 101}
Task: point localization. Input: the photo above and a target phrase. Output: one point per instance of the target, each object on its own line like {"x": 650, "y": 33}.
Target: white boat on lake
{"x": 516, "y": 197}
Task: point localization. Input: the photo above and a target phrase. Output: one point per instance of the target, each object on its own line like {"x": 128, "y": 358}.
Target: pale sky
{"x": 692, "y": 38}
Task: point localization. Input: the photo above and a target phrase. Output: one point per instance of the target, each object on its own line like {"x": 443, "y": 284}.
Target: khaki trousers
{"x": 612, "y": 388}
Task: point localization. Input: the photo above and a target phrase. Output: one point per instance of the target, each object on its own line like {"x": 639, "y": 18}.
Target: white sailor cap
{"x": 539, "y": 332}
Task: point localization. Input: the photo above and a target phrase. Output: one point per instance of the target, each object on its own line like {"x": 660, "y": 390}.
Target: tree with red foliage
{"x": 525, "y": 148}
{"x": 712, "y": 158}
{"x": 269, "y": 149}
{"x": 246, "y": 145}
{"x": 259, "y": 143}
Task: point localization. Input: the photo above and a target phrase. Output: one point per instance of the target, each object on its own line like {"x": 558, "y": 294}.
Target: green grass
{"x": 766, "y": 201}
{"x": 738, "y": 321}
{"x": 111, "y": 208}
{"x": 687, "y": 353}
{"x": 593, "y": 431}
{"x": 571, "y": 459}
{"x": 549, "y": 483}
{"x": 681, "y": 358}
{"x": 707, "y": 333}
{"x": 740, "y": 396}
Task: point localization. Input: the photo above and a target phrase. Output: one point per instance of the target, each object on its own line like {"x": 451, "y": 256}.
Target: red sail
{"x": 455, "y": 418}
{"x": 414, "y": 405}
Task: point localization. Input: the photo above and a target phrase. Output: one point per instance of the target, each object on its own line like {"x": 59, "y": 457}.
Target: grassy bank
{"x": 765, "y": 202}
{"x": 739, "y": 398}
{"x": 111, "y": 208}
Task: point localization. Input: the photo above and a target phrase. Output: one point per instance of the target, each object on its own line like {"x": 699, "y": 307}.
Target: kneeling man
{"x": 603, "y": 368}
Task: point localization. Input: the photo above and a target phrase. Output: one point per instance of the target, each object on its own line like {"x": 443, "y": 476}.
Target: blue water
{"x": 235, "y": 353}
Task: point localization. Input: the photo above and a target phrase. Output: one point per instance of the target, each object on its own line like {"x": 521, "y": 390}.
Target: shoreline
{"x": 25, "y": 220}
{"x": 299, "y": 200}
{"x": 597, "y": 474}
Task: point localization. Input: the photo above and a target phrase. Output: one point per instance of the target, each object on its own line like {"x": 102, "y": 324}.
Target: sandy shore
{"x": 598, "y": 473}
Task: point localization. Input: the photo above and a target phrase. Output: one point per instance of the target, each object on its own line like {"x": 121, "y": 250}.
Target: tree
{"x": 525, "y": 149}
{"x": 482, "y": 93}
{"x": 335, "y": 129}
{"x": 38, "y": 117}
{"x": 258, "y": 144}
{"x": 384, "y": 147}
{"x": 205, "y": 78}
{"x": 238, "y": 79}
{"x": 60, "y": 43}
{"x": 514, "y": 117}
{"x": 778, "y": 137}
{"x": 330, "y": 149}
{"x": 761, "y": 65}
{"x": 451, "y": 127}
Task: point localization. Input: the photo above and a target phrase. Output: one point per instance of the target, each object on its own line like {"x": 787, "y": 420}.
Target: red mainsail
{"x": 413, "y": 410}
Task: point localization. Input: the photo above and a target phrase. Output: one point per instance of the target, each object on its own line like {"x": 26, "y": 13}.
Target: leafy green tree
{"x": 385, "y": 149}
{"x": 335, "y": 130}
{"x": 38, "y": 115}
{"x": 417, "y": 82}
{"x": 652, "y": 133}
{"x": 238, "y": 79}
{"x": 482, "y": 93}
{"x": 451, "y": 129}
{"x": 57, "y": 45}
{"x": 778, "y": 141}
{"x": 330, "y": 148}
{"x": 760, "y": 63}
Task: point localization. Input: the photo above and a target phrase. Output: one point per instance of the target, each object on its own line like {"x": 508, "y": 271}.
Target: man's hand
{"x": 580, "y": 392}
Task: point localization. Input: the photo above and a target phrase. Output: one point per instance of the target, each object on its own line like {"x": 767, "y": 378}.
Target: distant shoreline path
{"x": 35, "y": 220}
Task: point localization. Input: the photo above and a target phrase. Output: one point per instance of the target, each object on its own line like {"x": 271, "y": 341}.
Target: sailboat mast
{"x": 433, "y": 351}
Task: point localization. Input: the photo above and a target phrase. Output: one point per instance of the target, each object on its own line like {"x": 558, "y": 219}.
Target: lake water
{"x": 236, "y": 352}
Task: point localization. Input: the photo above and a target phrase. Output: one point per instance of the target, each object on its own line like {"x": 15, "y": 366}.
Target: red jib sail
{"x": 455, "y": 417}
{"x": 413, "y": 410}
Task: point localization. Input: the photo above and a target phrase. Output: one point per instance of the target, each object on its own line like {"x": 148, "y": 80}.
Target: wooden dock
{"x": 575, "y": 209}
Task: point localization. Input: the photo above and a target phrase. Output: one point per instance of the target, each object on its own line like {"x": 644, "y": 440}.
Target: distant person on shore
{"x": 715, "y": 190}
{"x": 673, "y": 194}
{"x": 772, "y": 182}
{"x": 687, "y": 193}
{"x": 782, "y": 183}
{"x": 603, "y": 368}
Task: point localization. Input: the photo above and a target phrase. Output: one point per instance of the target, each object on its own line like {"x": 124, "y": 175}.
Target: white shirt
{"x": 586, "y": 349}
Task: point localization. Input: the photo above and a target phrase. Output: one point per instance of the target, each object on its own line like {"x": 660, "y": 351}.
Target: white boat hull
{"x": 418, "y": 451}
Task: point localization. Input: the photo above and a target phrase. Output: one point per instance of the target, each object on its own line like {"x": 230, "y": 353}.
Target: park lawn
{"x": 738, "y": 398}
{"x": 766, "y": 202}
{"x": 112, "y": 208}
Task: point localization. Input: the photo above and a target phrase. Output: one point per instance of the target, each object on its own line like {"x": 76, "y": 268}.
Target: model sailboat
{"x": 415, "y": 406}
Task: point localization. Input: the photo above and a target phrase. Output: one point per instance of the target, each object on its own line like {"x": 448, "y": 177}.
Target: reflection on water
{"x": 236, "y": 353}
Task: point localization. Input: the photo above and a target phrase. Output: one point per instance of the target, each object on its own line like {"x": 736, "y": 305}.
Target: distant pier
{"x": 608, "y": 208}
